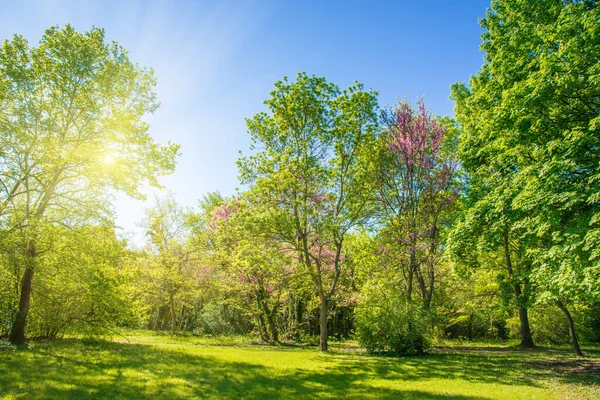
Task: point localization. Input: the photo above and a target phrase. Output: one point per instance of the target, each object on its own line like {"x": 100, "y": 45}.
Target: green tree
{"x": 531, "y": 122}
{"x": 171, "y": 265}
{"x": 256, "y": 269}
{"x": 71, "y": 131}
{"x": 80, "y": 279}
{"x": 313, "y": 174}
{"x": 384, "y": 320}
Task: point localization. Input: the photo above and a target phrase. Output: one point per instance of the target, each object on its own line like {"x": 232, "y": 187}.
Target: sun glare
{"x": 109, "y": 159}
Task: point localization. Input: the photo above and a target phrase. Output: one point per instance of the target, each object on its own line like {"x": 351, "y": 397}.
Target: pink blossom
{"x": 414, "y": 136}
{"x": 222, "y": 214}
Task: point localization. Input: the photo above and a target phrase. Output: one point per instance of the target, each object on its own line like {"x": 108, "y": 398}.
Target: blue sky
{"x": 216, "y": 62}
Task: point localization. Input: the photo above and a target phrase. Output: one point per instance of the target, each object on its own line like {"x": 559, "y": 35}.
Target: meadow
{"x": 147, "y": 365}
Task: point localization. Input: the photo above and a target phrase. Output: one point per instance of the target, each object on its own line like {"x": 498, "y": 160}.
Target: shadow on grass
{"x": 69, "y": 369}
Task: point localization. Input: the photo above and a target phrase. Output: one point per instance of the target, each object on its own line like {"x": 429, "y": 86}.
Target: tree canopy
{"x": 71, "y": 130}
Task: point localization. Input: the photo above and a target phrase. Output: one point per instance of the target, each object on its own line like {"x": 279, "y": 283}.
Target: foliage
{"x": 416, "y": 189}
{"x": 386, "y": 320}
{"x": 390, "y": 324}
{"x": 313, "y": 175}
{"x": 396, "y": 226}
{"x": 255, "y": 269}
{"x": 541, "y": 60}
{"x": 88, "y": 296}
{"x": 217, "y": 317}
{"x": 80, "y": 284}
{"x": 71, "y": 132}
{"x": 472, "y": 305}
{"x": 170, "y": 271}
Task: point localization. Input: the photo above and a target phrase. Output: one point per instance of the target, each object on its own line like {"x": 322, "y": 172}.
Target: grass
{"x": 156, "y": 366}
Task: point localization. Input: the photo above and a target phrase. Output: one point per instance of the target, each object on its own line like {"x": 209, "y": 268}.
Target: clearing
{"x": 155, "y": 366}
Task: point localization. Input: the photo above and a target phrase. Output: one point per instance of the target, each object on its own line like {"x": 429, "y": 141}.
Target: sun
{"x": 109, "y": 158}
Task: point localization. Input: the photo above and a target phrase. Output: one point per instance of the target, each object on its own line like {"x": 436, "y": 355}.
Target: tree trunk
{"x": 262, "y": 328}
{"x": 411, "y": 271}
{"x": 159, "y": 323}
{"x": 426, "y": 288}
{"x": 273, "y": 326}
{"x": 431, "y": 274}
{"x": 299, "y": 318}
{"x": 323, "y": 323}
{"x": 173, "y": 315}
{"x": 526, "y": 338}
{"x": 270, "y": 315}
{"x": 572, "y": 332}
{"x": 17, "y": 332}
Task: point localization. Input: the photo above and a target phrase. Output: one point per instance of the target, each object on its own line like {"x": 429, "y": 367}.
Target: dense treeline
{"x": 393, "y": 226}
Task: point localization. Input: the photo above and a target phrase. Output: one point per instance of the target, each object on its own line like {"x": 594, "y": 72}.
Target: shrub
{"x": 385, "y": 325}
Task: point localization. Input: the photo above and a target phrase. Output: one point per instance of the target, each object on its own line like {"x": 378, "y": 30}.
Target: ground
{"x": 156, "y": 366}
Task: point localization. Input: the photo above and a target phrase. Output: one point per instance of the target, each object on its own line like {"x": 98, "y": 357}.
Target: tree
{"x": 487, "y": 233}
{"x": 384, "y": 320}
{"x": 71, "y": 130}
{"x": 170, "y": 266}
{"x": 256, "y": 269}
{"x": 313, "y": 176}
{"x": 417, "y": 186}
{"x": 80, "y": 281}
{"x": 530, "y": 117}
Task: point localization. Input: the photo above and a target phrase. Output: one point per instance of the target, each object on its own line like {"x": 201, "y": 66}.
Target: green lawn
{"x": 153, "y": 366}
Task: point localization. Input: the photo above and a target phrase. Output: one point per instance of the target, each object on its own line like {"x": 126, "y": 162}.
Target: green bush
{"x": 385, "y": 325}
{"x": 549, "y": 325}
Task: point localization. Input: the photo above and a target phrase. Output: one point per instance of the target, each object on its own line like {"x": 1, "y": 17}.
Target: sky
{"x": 217, "y": 61}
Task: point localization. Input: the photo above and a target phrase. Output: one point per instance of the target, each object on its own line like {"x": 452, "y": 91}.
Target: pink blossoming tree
{"x": 417, "y": 186}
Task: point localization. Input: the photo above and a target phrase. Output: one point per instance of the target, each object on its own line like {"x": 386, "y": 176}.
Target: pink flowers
{"x": 419, "y": 178}
{"x": 326, "y": 255}
{"x": 415, "y": 137}
{"x": 269, "y": 288}
{"x": 222, "y": 214}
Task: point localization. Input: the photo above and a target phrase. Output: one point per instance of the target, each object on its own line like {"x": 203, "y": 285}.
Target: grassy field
{"x": 154, "y": 366}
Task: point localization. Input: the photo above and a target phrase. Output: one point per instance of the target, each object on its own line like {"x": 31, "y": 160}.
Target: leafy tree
{"x": 530, "y": 117}
{"x": 80, "y": 283}
{"x": 475, "y": 302}
{"x": 313, "y": 174}
{"x": 71, "y": 130}
{"x": 486, "y": 236}
{"x": 170, "y": 268}
{"x": 417, "y": 187}
{"x": 256, "y": 269}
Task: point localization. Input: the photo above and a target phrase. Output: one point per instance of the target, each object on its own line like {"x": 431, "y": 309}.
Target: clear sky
{"x": 216, "y": 62}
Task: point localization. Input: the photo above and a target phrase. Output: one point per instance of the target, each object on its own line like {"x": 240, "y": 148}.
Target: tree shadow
{"x": 130, "y": 371}
{"x": 506, "y": 368}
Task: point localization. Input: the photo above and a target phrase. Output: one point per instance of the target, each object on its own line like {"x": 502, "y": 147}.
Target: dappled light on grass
{"x": 187, "y": 369}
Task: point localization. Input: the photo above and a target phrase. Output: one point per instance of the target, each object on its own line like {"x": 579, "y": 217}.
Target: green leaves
{"x": 530, "y": 142}
{"x": 313, "y": 177}
{"x": 68, "y": 106}
{"x": 71, "y": 133}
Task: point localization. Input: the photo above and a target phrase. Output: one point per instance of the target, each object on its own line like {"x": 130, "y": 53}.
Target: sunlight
{"x": 110, "y": 158}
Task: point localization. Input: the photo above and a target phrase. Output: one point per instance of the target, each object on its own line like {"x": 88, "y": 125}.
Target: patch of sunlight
{"x": 109, "y": 159}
